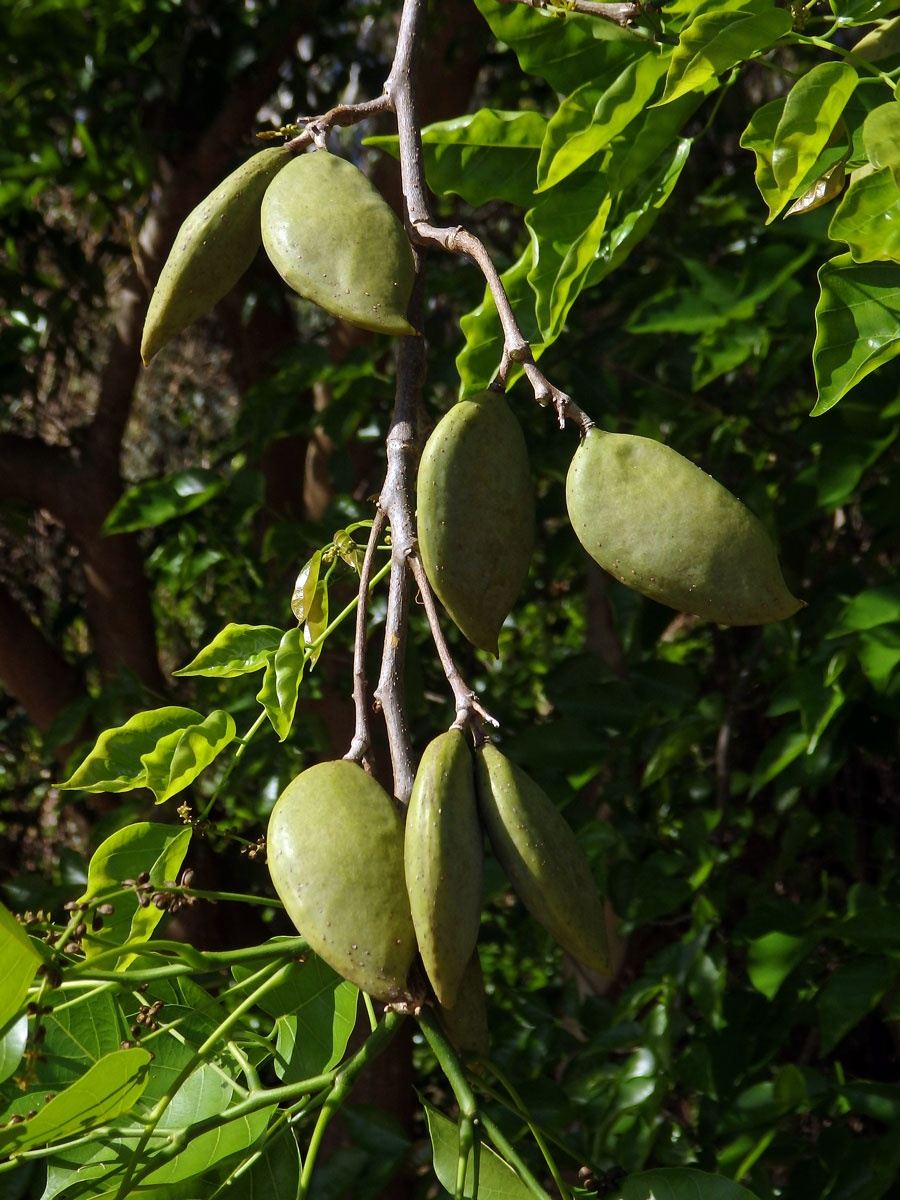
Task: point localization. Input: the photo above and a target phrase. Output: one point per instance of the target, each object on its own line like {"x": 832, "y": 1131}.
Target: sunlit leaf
{"x": 811, "y": 111}
{"x": 777, "y": 756}
{"x": 868, "y": 218}
{"x": 305, "y": 587}
{"x": 13, "y": 1038}
{"x": 759, "y": 136}
{"x": 177, "y": 759}
{"x": 482, "y": 156}
{"x": 158, "y": 500}
{"x": 281, "y": 682}
{"x": 108, "y": 1088}
{"x": 157, "y": 849}
{"x": 857, "y": 325}
{"x": 862, "y": 12}
{"x": 878, "y": 651}
{"x": 236, "y": 650}
{"x": 116, "y": 763}
{"x": 20, "y": 961}
{"x": 772, "y": 957}
{"x": 316, "y": 623}
{"x": 881, "y": 134}
{"x": 881, "y": 42}
{"x": 868, "y": 610}
{"x": 714, "y": 42}
{"x": 588, "y": 120}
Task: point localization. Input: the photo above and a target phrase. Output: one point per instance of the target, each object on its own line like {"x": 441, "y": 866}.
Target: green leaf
{"x": 881, "y": 42}
{"x": 216, "y": 1145}
{"x": 714, "y": 42}
{"x": 850, "y": 993}
{"x": 588, "y": 120}
{"x": 273, "y": 1174}
{"x": 20, "y": 961}
{"x": 497, "y": 1180}
{"x": 564, "y": 50}
{"x": 681, "y": 1183}
{"x": 305, "y": 587}
{"x": 759, "y": 136}
{"x": 316, "y": 623}
{"x": 125, "y": 854}
{"x": 482, "y": 156}
{"x": 868, "y": 610}
{"x": 176, "y": 760}
{"x": 777, "y": 756}
{"x": 772, "y": 957}
{"x": 108, "y": 1088}
{"x": 868, "y": 217}
{"x": 236, "y": 650}
{"x": 811, "y": 111}
{"x": 881, "y": 136}
{"x": 158, "y": 500}
{"x": 857, "y": 325}
{"x": 862, "y": 12}
{"x": 281, "y": 682}
{"x": 13, "y": 1038}
{"x": 878, "y": 652}
{"x": 315, "y": 1012}
{"x": 116, "y": 763}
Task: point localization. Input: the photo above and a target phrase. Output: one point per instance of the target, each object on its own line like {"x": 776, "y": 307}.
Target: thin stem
{"x": 243, "y": 744}
{"x": 362, "y": 737}
{"x": 469, "y": 709}
{"x": 619, "y": 14}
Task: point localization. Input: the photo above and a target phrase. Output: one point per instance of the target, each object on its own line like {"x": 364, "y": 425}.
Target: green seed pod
{"x": 335, "y": 855}
{"x": 476, "y": 514}
{"x": 333, "y": 239}
{"x": 541, "y": 855}
{"x": 444, "y": 858}
{"x": 465, "y": 1024}
{"x": 214, "y": 247}
{"x": 668, "y": 530}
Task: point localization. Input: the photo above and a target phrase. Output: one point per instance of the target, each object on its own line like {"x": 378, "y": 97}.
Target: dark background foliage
{"x": 737, "y": 787}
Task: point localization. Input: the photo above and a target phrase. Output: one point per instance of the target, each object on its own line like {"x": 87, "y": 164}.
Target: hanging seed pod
{"x": 541, "y": 855}
{"x": 331, "y": 237}
{"x": 465, "y": 1024}
{"x": 214, "y": 247}
{"x": 476, "y": 514}
{"x": 444, "y": 861}
{"x": 668, "y": 530}
{"x": 336, "y": 859}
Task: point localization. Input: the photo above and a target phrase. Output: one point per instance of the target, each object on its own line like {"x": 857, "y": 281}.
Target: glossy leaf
{"x": 881, "y": 42}
{"x": 487, "y": 155}
{"x": 108, "y": 1088}
{"x": 125, "y": 854}
{"x": 868, "y": 610}
{"x": 236, "y": 650}
{"x": 176, "y": 760}
{"x": 305, "y": 587}
{"x": 878, "y": 652}
{"x": 273, "y": 1174}
{"x": 316, "y": 623}
{"x": 759, "y": 136}
{"x": 714, "y": 42}
{"x": 811, "y": 111}
{"x": 587, "y": 121}
{"x": 868, "y": 218}
{"x": 13, "y": 1037}
{"x": 777, "y": 756}
{"x": 497, "y": 1180}
{"x": 281, "y": 682}
{"x": 857, "y": 325}
{"x": 158, "y": 500}
{"x": 313, "y": 1023}
{"x": 681, "y": 1183}
{"x": 564, "y": 50}
{"x": 862, "y": 12}
{"x": 116, "y": 763}
{"x": 20, "y": 961}
{"x": 881, "y": 136}
{"x": 204, "y": 1150}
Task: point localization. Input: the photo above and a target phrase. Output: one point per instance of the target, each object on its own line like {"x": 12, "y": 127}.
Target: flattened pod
{"x": 541, "y": 855}
{"x": 668, "y": 530}
{"x": 476, "y": 514}
{"x": 332, "y": 238}
{"x": 444, "y": 859}
{"x": 214, "y": 247}
{"x": 335, "y": 855}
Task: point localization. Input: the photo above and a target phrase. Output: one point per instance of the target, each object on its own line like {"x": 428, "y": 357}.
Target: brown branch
{"x": 469, "y": 709}
{"x": 37, "y": 474}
